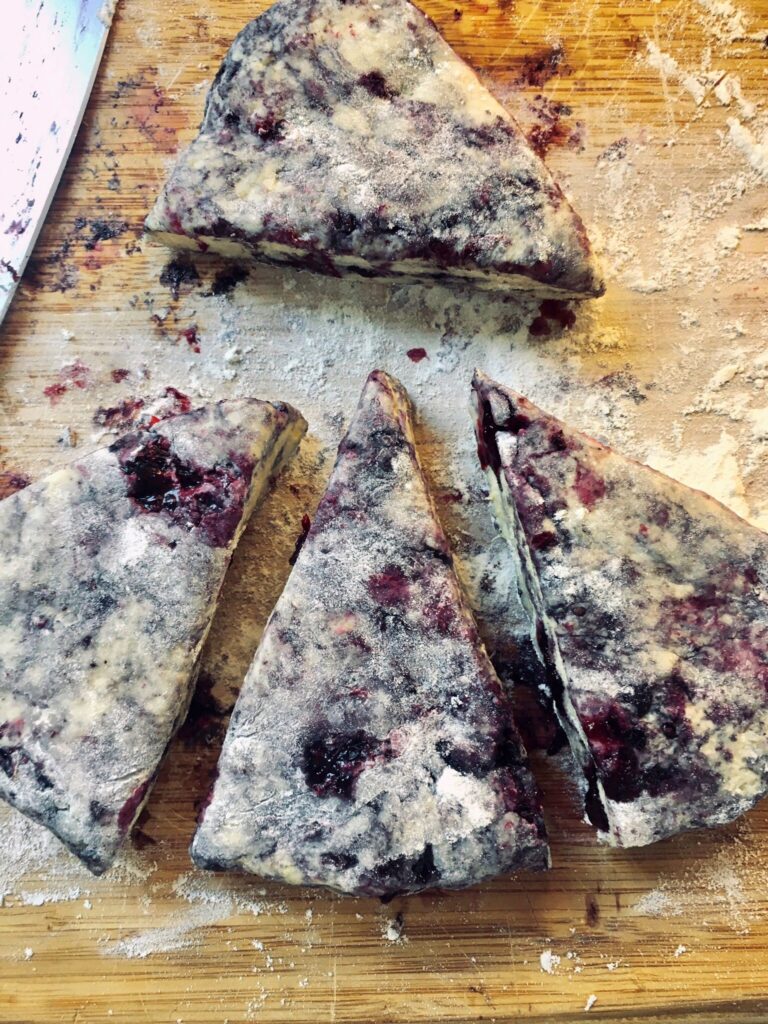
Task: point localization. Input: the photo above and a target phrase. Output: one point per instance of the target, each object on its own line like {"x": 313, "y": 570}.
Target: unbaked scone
{"x": 346, "y": 136}
{"x": 110, "y": 570}
{"x": 649, "y": 603}
{"x": 372, "y": 748}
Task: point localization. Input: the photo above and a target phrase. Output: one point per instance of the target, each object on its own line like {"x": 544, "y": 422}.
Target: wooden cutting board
{"x": 677, "y": 932}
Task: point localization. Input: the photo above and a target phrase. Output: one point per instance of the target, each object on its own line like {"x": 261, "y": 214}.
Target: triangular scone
{"x": 110, "y": 570}
{"x": 650, "y": 604}
{"x": 372, "y": 748}
{"x": 346, "y": 135}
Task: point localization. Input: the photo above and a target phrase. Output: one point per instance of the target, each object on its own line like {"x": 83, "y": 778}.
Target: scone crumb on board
{"x": 394, "y": 929}
{"x": 549, "y": 961}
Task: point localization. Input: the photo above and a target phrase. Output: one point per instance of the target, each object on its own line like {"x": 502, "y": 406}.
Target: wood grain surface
{"x": 677, "y": 932}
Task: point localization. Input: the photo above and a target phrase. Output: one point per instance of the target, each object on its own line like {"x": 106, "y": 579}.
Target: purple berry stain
{"x": 75, "y": 375}
{"x": 552, "y": 311}
{"x": 127, "y": 812}
{"x": 486, "y": 431}
{"x": 440, "y": 614}
{"x": 182, "y": 402}
{"x": 416, "y": 355}
{"x": 332, "y": 762}
{"x": 306, "y": 525}
{"x": 189, "y": 334}
{"x": 390, "y": 587}
{"x": 376, "y": 84}
{"x": 119, "y": 415}
{"x": 589, "y": 487}
{"x": 159, "y": 482}
{"x": 269, "y": 128}
{"x": 613, "y": 741}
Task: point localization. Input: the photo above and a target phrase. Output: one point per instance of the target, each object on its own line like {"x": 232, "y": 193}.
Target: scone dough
{"x": 346, "y": 136}
{"x": 110, "y": 570}
{"x": 650, "y": 608}
{"x": 372, "y": 748}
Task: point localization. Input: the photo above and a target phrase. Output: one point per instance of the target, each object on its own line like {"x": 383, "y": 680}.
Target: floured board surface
{"x": 651, "y": 116}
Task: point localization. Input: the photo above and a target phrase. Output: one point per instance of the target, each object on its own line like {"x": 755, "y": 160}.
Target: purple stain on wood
{"x": 451, "y": 496}
{"x": 178, "y": 274}
{"x": 206, "y": 720}
{"x": 121, "y": 415}
{"x": 12, "y": 482}
{"x": 538, "y": 68}
{"x": 227, "y": 280}
{"x": 182, "y": 402}
{"x": 552, "y": 130}
{"x": 552, "y": 312}
{"x": 101, "y": 230}
{"x": 55, "y": 391}
{"x": 75, "y": 375}
{"x": 616, "y": 151}
{"x": 141, "y": 839}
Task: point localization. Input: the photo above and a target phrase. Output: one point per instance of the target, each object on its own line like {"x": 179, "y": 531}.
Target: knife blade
{"x": 50, "y": 51}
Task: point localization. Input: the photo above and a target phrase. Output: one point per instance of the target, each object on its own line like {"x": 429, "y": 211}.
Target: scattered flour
{"x": 53, "y": 895}
{"x": 549, "y": 961}
{"x": 659, "y": 903}
{"x": 220, "y": 893}
{"x": 715, "y": 469}
{"x": 728, "y": 90}
{"x": 180, "y": 933}
{"x": 591, "y": 1000}
{"x": 213, "y": 900}
{"x": 754, "y": 146}
{"x": 107, "y": 12}
{"x": 728, "y": 237}
{"x": 718, "y": 889}
{"x": 726, "y": 22}
{"x": 698, "y": 84}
